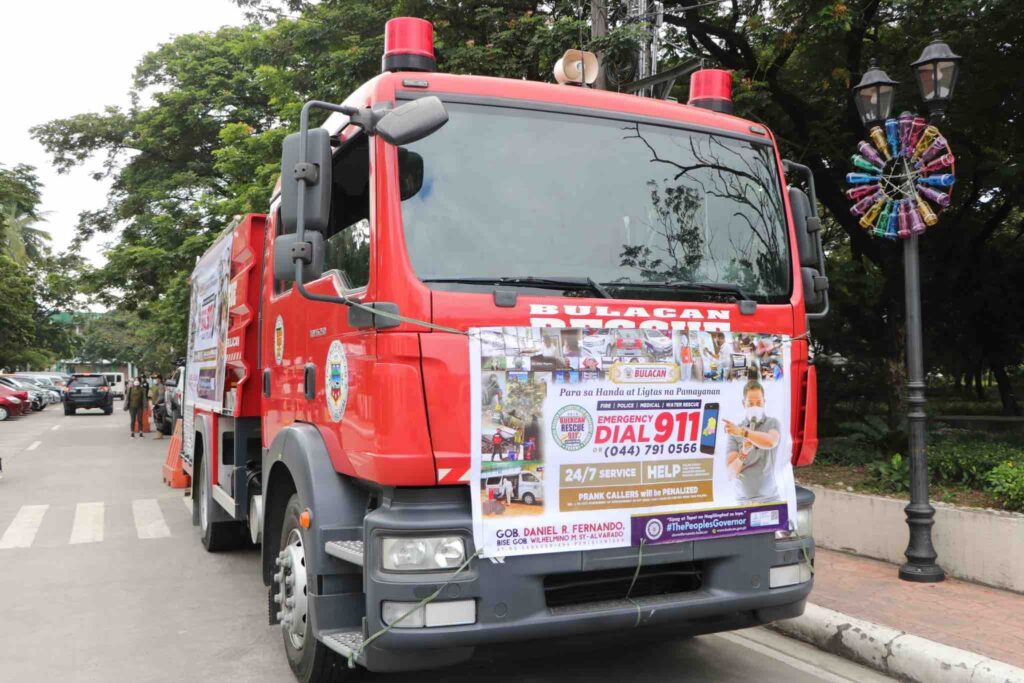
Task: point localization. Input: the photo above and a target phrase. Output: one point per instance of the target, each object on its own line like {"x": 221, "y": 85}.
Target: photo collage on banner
{"x": 605, "y": 437}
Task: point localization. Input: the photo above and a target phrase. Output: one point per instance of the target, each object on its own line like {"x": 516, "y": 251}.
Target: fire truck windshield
{"x": 513, "y": 193}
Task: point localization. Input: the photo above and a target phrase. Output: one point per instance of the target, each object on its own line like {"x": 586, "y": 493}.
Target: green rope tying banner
{"x": 420, "y": 605}
{"x": 636, "y": 574}
{"x": 803, "y": 546}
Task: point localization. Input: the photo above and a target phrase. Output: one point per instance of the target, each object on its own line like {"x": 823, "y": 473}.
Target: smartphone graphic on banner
{"x": 709, "y": 428}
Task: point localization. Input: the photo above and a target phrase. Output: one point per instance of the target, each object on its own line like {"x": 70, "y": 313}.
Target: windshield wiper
{"x": 530, "y": 281}
{"x": 716, "y": 287}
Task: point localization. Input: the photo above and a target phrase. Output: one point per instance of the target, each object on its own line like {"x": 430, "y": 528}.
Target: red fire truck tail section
{"x": 241, "y": 386}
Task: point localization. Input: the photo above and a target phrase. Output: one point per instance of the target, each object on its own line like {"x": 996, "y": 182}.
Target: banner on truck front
{"x": 207, "y": 332}
{"x": 603, "y": 438}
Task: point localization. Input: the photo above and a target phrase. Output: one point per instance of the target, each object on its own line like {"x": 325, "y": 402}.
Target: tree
{"x": 20, "y": 240}
{"x": 794, "y": 64}
{"x": 16, "y": 308}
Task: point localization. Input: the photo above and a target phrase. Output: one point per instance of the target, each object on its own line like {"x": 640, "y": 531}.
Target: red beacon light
{"x": 408, "y": 45}
{"x": 711, "y": 89}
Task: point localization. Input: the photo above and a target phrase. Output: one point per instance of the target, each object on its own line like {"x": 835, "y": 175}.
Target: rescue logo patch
{"x": 279, "y": 340}
{"x": 572, "y": 427}
{"x": 337, "y": 381}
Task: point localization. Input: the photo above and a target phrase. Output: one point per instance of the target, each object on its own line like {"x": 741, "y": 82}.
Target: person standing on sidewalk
{"x": 135, "y": 404}
{"x": 156, "y": 388}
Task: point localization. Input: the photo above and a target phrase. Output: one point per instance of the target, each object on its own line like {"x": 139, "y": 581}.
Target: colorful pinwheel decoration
{"x": 905, "y": 178}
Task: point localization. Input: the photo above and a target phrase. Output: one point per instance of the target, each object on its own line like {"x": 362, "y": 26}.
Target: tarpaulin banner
{"x": 205, "y": 365}
{"x": 602, "y": 438}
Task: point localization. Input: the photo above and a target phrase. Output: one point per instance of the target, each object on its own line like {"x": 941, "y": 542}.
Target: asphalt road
{"x": 103, "y": 578}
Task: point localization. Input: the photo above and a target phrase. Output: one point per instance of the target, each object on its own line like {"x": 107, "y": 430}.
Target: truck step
{"x": 345, "y": 643}
{"x": 350, "y": 551}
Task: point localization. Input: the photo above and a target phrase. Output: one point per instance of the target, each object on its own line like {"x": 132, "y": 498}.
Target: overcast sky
{"x": 64, "y": 57}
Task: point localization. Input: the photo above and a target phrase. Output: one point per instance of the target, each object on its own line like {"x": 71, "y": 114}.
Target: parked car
{"x": 170, "y": 412}
{"x": 9, "y": 406}
{"x": 35, "y": 396}
{"x": 115, "y": 380}
{"x": 88, "y": 391}
{"x": 17, "y": 398}
{"x": 43, "y": 384}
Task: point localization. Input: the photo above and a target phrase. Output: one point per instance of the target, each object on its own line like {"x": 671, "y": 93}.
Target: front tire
{"x": 216, "y": 536}
{"x": 69, "y": 411}
{"x": 310, "y": 660}
{"x": 4, "y": 413}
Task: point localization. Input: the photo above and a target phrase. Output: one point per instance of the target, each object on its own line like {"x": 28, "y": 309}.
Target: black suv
{"x": 88, "y": 391}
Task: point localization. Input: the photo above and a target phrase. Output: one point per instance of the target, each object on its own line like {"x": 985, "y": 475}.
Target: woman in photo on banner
{"x": 753, "y": 444}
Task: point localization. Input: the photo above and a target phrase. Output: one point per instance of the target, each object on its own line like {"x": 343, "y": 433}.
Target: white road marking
{"x": 55, "y": 427}
{"x": 149, "y": 520}
{"x": 34, "y": 445}
{"x": 22, "y": 530}
{"x": 88, "y": 524}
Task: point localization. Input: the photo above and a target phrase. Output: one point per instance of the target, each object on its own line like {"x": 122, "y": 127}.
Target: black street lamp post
{"x": 936, "y": 72}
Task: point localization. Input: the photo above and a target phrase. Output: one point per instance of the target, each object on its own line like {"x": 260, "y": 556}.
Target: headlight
{"x": 423, "y": 554}
{"x": 804, "y": 525}
{"x": 804, "y": 522}
{"x": 15, "y": 401}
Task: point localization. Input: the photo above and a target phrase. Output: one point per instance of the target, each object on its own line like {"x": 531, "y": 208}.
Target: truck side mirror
{"x": 412, "y": 121}
{"x": 806, "y": 238}
{"x": 808, "y": 244}
{"x": 287, "y": 248}
{"x": 807, "y": 226}
{"x": 316, "y": 198}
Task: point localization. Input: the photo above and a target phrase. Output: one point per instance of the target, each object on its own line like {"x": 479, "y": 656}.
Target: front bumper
{"x": 517, "y": 599}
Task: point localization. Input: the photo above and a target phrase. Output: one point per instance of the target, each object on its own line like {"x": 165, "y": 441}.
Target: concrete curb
{"x": 894, "y": 653}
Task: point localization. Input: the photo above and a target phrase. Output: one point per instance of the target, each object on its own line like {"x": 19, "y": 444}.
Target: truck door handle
{"x": 309, "y": 381}
{"x": 266, "y": 381}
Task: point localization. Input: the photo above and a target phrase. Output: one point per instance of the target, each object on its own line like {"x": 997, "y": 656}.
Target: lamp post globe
{"x": 936, "y": 71}
{"x": 874, "y": 96}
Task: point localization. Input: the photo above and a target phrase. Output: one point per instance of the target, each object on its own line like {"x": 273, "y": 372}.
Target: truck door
{"x": 283, "y": 344}
{"x": 340, "y": 356}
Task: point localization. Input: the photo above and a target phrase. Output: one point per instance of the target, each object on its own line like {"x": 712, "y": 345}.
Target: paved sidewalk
{"x": 965, "y": 615}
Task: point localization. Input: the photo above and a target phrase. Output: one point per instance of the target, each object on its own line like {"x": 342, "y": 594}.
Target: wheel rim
{"x": 3, "y": 413}
{"x": 204, "y": 496}
{"x": 291, "y": 596}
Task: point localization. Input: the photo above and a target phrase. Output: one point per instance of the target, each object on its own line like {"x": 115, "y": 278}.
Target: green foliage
{"x": 20, "y": 240}
{"x": 968, "y": 462}
{"x": 845, "y": 451}
{"x": 893, "y": 474}
{"x": 874, "y": 433}
{"x": 123, "y": 337}
{"x": 1006, "y": 482}
{"x": 17, "y": 330}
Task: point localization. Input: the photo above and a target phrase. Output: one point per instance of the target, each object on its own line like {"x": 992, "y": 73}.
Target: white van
{"x": 527, "y": 487}
{"x": 115, "y": 380}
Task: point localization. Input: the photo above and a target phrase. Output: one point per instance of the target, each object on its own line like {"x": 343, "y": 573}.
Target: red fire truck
{"x": 328, "y": 392}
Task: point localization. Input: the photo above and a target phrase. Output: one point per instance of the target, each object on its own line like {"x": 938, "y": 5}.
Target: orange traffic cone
{"x": 174, "y": 475}
{"x": 147, "y": 413}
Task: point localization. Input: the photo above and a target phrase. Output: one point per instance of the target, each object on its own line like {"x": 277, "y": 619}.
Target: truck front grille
{"x": 611, "y": 584}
